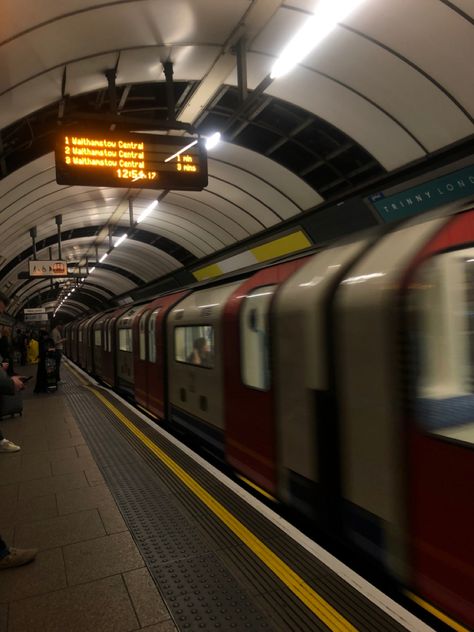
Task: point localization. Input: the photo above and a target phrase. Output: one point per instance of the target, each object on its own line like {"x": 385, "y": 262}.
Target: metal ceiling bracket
{"x": 3, "y": 163}
{"x": 111, "y": 75}
{"x": 59, "y": 221}
{"x": 62, "y": 102}
{"x": 170, "y": 98}
{"x": 241, "y": 52}
{"x": 33, "y": 239}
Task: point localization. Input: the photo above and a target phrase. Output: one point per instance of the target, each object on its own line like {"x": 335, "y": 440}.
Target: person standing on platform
{"x": 9, "y": 556}
{"x": 57, "y": 336}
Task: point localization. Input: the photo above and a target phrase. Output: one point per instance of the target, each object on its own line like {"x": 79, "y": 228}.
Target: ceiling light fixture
{"x": 92, "y": 270}
{"x": 325, "y": 19}
{"x": 147, "y": 211}
{"x": 104, "y": 257}
{"x": 213, "y": 140}
{"x": 120, "y": 240}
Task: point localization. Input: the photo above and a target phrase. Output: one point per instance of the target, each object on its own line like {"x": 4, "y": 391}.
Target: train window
{"x": 98, "y": 338}
{"x": 142, "y": 336}
{"x": 125, "y": 340}
{"x": 440, "y": 345}
{"x": 254, "y": 338}
{"x": 152, "y": 335}
{"x": 194, "y": 345}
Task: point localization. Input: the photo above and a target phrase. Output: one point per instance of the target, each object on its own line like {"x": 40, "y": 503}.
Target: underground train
{"x": 341, "y": 383}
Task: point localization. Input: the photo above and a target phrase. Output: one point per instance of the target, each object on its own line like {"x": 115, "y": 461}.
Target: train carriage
{"x": 196, "y": 365}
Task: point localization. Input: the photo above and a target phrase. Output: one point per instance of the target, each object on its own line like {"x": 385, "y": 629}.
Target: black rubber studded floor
{"x": 208, "y": 578}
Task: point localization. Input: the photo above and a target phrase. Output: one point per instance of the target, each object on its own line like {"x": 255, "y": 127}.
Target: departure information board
{"x": 141, "y": 161}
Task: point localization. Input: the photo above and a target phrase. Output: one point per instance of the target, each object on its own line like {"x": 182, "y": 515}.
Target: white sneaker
{"x": 8, "y": 446}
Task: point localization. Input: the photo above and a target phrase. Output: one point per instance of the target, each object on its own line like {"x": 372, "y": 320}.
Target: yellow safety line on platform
{"x": 257, "y": 488}
{"x": 437, "y": 613}
{"x": 317, "y": 604}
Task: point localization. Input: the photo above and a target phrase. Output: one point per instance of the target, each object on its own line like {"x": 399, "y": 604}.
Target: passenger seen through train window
{"x": 195, "y": 345}
{"x": 200, "y": 353}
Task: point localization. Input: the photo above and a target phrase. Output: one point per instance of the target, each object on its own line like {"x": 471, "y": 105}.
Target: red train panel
{"x": 249, "y": 412}
{"x": 150, "y": 376}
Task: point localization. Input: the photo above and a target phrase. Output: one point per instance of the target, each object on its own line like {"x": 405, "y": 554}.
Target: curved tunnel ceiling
{"x": 377, "y": 94}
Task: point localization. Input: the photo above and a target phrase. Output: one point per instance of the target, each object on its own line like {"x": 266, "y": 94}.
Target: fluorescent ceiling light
{"x": 147, "y": 211}
{"x": 92, "y": 270}
{"x": 181, "y": 151}
{"x": 213, "y": 140}
{"x": 120, "y": 240}
{"x": 104, "y": 257}
{"x": 327, "y": 15}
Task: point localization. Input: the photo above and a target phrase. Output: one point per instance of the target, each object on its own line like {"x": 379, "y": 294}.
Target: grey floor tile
{"x": 9, "y": 463}
{"x": 111, "y": 517}
{"x": 94, "y": 476}
{"x": 73, "y": 464}
{"x": 102, "y": 606}
{"x": 31, "y": 472}
{"x": 42, "y": 487}
{"x": 42, "y": 576}
{"x": 102, "y": 557}
{"x": 83, "y": 498}
{"x": 32, "y": 443}
{"x": 60, "y": 531}
{"x": 149, "y": 605}
{"x": 39, "y": 508}
{"x": 64, "y": 442}
{"x": 61, "y": 454}
{"x": 164, "y": 626}
{"x": 57, "y": 434}
{"x": 8, "y": 494}
{"x": 83, "y": 450}
{"x": 3, "y": 617}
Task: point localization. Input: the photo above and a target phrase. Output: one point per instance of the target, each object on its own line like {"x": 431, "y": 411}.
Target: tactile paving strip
{"x": 208, "y": 579}
{"x": 199, "y": 591}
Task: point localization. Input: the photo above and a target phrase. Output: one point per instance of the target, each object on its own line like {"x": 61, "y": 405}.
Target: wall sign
{"x": 426, "y": 196}
{"x": 38, "y": 268}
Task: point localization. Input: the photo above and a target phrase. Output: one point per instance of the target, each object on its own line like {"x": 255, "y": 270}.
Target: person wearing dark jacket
{"x": 11, "y": 557}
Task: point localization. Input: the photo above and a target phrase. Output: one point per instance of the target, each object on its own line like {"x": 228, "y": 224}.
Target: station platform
{"x": 136, "y": 532}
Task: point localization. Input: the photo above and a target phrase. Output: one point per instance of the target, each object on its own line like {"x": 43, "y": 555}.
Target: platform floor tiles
{"x": 89, "y": 575}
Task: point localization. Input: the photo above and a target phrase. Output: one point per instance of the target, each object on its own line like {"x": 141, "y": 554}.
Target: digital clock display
{"x": 141, "y": 161}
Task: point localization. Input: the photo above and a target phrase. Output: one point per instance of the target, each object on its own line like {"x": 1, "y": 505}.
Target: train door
{"x": 140, "y": 357}
{"x": 156, "y": 363}
{"x": 154, "y": 395}
{"x": 439, "y": 356}
{"x": 110, "y": 350}
{"x": 107, "y": 365}
{"x": 91, "y": 343}
{"x": 249, "y": 398}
